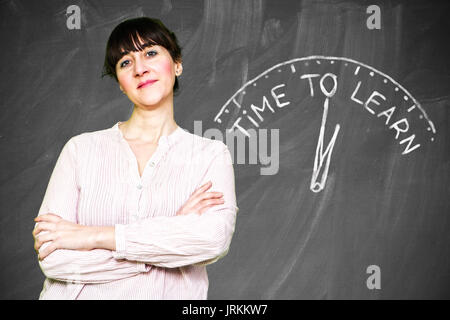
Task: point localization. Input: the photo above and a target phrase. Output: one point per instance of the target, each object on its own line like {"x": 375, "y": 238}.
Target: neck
{"x": 148, "y": 125}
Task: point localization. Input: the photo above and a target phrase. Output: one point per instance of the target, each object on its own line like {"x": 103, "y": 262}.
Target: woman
{"x": 127, "y": 213}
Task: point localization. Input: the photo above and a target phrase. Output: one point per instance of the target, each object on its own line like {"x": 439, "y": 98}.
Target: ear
{"x": 178, "y": 69}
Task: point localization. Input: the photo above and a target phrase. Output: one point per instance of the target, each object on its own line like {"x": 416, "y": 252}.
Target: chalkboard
{"x": 336, "y": 114}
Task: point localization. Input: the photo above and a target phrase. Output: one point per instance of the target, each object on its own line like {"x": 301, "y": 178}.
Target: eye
{"x": 151, "y": 53}
{"x": 124, "y": 63}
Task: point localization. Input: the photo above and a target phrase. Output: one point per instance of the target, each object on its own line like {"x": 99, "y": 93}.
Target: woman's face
{"x": 147, "y": 77}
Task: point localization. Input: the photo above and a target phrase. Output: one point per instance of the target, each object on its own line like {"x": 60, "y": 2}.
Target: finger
{"x": 50, "y": 217}
{"x": 210, "y": 195}
{"x": 43, "y": 238}
{"x": 198, "y": 201}
{"x": 203, "y": 188}
{"x": 200, "y": 192}
{"x": 36, "y": 230}
{"x": 215, "y": 194}
{"x": 43, "y": 226}
{"x": 205, "y": 204}
{"x": 47, "y": 251}
{"x": 43, "y": 217}
{"x": 212, "y": 201}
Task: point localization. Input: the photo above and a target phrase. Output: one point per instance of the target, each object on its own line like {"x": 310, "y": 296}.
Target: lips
{"x": 146, "y": 83}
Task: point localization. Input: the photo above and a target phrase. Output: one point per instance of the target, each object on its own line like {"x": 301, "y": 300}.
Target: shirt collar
{"x": 164, "y": 140}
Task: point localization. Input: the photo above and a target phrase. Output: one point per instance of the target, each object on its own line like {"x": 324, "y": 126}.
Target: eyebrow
{"x": 143, "y": 46}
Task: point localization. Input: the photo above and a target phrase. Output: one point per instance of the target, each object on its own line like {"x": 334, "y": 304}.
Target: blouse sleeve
{"x": 189, "y": 239}
{"x": 61, "y": 198}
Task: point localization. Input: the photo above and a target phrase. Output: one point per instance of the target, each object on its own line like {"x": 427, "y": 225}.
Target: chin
{"x": 151, "y": 101}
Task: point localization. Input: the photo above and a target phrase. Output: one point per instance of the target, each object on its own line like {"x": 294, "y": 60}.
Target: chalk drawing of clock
{"x": 352, "y": 83}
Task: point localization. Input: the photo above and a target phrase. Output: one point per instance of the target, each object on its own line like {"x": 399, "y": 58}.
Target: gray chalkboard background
{"x": 379, "y": 206}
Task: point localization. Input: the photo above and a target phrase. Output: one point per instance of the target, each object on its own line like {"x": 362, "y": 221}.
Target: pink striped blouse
{"x": 158, "y": 255}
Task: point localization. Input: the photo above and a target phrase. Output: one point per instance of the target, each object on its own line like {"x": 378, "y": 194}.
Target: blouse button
{"x": 139, "y": 186}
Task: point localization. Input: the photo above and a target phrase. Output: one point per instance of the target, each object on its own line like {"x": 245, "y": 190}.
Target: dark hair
{"x": 125, "y": 37}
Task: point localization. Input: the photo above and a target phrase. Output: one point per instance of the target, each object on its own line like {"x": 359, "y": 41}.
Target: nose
{"x": 139, "y": 67}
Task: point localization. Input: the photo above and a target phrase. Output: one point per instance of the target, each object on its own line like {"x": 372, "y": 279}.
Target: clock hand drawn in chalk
{"x": 339, "y": 83}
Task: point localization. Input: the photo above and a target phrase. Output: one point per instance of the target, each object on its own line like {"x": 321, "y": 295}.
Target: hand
{"x": 200, "y": 200}
{"x": 61, "y": 234}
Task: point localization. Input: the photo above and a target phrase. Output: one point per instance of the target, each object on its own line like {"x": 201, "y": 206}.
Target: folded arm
{"x": 61, "y": 198}
{"x": 186, "y": 239}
